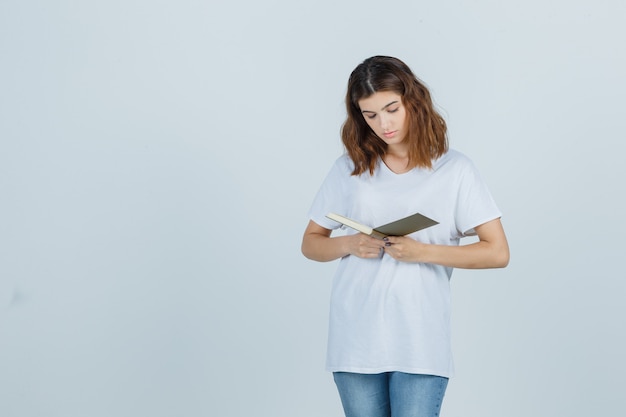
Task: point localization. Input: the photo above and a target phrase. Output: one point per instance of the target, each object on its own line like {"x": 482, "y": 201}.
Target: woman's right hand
{"x": 364, "y": 246}
{"x": 319, "y": 246}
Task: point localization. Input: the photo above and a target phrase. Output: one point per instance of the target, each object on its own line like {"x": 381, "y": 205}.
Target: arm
{"x": 318, "y": 245}
{"x": 491, "y": 251}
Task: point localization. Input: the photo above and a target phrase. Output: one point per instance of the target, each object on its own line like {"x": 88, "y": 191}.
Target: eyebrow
{"x": 384, "y": 107}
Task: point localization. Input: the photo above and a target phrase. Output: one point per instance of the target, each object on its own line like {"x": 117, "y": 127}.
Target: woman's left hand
{"x": 491, "y": 250}
{"x": 403, "y": 248}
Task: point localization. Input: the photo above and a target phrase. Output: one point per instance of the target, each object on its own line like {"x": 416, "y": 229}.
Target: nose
{"x": 384, "y": 122}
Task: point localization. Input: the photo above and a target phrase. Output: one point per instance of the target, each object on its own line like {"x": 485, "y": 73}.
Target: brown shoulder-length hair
{"x": 426, "y": 129}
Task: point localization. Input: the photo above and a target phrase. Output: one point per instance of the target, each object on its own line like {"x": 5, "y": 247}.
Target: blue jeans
{"x": 390, "y": 394}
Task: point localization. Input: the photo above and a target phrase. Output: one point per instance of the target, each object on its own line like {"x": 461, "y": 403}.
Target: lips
{"x": 389, "y": 135}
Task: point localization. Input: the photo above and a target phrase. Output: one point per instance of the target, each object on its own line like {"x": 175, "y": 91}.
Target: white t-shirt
{"x": 387, "y": 315}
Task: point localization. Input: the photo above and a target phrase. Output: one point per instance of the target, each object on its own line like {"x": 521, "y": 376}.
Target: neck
{"x": 397, "y": 151}
{"x": 398, "y": 162}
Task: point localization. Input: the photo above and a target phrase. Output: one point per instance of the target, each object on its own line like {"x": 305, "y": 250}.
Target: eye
{"x": 370, "y": 116}
{"x": 394, "y": 110}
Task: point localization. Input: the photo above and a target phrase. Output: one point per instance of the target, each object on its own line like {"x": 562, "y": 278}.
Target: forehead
{"x": 378, "y": 100}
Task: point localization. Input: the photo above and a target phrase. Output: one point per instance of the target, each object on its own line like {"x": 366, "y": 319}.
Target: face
{"x": 386, "y": 116}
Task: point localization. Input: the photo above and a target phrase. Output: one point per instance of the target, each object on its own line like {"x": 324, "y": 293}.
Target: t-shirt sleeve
{"x": 475, "y": 204}
{"x": 332, "y": 195}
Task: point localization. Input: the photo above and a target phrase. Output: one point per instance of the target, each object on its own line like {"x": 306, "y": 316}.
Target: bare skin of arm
{"x": 319, "y": 246}
{"x": 491, "y": 251}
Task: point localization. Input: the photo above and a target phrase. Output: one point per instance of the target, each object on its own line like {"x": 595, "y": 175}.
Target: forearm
{"x": 473, "y": 256}
{"x": 322, "y": 248}
{"x": 491, "y": 251}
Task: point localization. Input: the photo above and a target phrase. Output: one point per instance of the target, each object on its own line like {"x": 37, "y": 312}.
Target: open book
{"x": 400, "y": 227}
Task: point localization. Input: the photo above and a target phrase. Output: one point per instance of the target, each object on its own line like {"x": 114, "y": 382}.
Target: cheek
{"x": 370, "y": 123}
{"x": 403, "y": 119}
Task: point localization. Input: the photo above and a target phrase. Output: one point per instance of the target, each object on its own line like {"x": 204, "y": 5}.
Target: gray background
{"x": 157, "y": 159}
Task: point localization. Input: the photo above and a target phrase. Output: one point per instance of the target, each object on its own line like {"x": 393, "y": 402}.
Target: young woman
{"x": 389, "y": 335}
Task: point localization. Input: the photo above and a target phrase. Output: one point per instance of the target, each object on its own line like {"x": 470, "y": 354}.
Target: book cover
{"x": 400, "y": 227}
